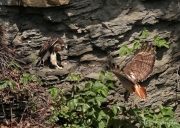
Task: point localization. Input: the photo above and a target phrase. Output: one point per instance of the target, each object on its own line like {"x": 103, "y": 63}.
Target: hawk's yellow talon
{"x": 60, "y": 68}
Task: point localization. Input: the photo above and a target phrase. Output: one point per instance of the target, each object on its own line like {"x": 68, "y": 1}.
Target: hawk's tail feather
{"x": 126, "y": 95}
{"x": 140, "y": 91}
{"x": 113, "y": 67}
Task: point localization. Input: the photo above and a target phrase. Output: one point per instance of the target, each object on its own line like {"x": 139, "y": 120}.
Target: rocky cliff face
{"x": 94, "y": 30}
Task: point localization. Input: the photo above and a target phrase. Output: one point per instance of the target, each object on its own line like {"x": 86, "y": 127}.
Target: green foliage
{"x": 86, "y": 108}
{"x": 25, "y": 79}
{"x": 5, "y": 82}
{"x": 28, "y": 78}
{"x": 124, "y": 50}
{"x": 34, "y": 60}
{"x": 83, "y": 108}
{"x": 144, "y": 33}
{"x": 148, "y": 118}
{"x": 159, "y": 42}
{"x": 74, "y": 77}
{"x": 14, "y": 64}
{"x": 137, "y": 44}
{"x": 164, "y": 118}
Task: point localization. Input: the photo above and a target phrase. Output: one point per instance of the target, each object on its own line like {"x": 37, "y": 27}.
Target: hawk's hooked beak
{"x": 65, "y": 47}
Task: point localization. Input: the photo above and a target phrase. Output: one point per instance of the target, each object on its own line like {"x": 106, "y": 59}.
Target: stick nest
{"x": 20, "y": 105}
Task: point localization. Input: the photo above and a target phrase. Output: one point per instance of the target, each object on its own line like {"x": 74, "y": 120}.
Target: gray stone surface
{"x": 94, "y": 30}
{"x": 34, "y": 3}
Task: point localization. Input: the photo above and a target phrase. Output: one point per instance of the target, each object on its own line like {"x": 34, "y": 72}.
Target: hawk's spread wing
{"x": 47, "y": 45}
{"x": 127, "y": 84}
{"x": 141, "y": 65}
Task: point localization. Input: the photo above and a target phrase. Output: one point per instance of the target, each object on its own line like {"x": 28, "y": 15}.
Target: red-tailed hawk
{"x": 137, "y": 70}
{"x": 50, "y": 48}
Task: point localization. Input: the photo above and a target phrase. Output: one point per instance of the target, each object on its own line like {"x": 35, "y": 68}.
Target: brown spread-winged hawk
{"x": 137, "y": 70}
{"x": 50, "y": 48}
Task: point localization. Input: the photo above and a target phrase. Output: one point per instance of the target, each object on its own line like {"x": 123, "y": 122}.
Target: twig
{"x": 177, "y": 87}
{"x": 23, "y": 113}
{"x": 3, "y": 110}
{"x": 11, "y": 114}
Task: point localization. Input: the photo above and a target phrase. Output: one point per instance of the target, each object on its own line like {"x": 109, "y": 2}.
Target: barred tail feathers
{"x": 140, "y": 91}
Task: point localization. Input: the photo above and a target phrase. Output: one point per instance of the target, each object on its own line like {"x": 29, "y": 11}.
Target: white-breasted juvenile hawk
{"x": 137, "y": 70}
{"x": 50, "y": 48}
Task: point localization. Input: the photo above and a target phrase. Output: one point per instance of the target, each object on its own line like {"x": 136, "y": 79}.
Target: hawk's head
{"x": 59, "y": 45}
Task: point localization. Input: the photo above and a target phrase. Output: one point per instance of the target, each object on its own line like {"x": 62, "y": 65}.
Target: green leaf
{"x": 32, "y": 78}
{"x": 11, "y": 84}
{"x": 163, "y": 42}
{"x": 78, "y": 78}
{"x": 101, "y": 75}
{"x": 156, "y": 37}
{"x": 101, "y": 115}
{"x": 26, "y": 75}
{"x": 10, "y": 64}
{"x": 160, "y": 107}
{"x": 122, "y": 108}
{"x": 74, "y": 77}
{"x": 87, "y": 86}
{"x": 98, "y": 103}
{"x": 15, "y": 70}
{"x": 80, "y": 99}
{"x": 97, "y": 85}
{"x": 71, "y": 105}
{"x": 85, "y": 107}
{"x": 33, "y": 106}
{"x": 24, "y": 81}
{"x": 53, "y": 91}
{"x": 144, "y": 33}
{"x": 4, "y": 83}
{"x": 114, "y": 109}
{"x": 91, "y": 101}
{"x": 108, "y": 77}
{"x": 124, "y": 50}
{"x": 160, "y": 42}
{"x": 90, "y": 93}
{"x": 104, "y": 93}
{"x": 91, "y": 111}
{"x": 38, "y": 80}
{"x": 69, "y": 76}
{"x": 137, "y": 44}
{"x": 111, "y": 85}
{"x": 14, "y": 64}
{"x": 167, "y": 112}
{"x": 99, "y": 98}
{"x": 158, "y": 116}
{"x": 102, "y": 124}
